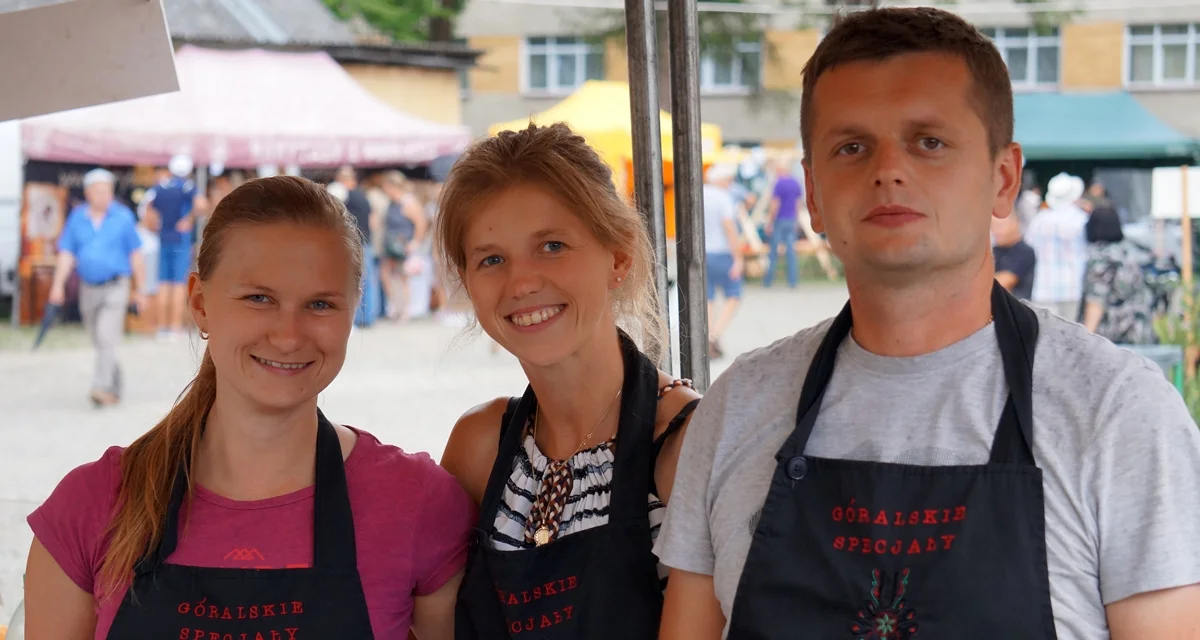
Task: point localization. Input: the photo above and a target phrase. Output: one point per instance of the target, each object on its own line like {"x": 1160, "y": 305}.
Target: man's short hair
{"x": 875, "y": 35}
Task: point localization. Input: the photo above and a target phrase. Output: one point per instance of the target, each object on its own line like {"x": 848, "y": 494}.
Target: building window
{"x": 736, "y": 69}
{"x": 1032, "y": 58}
{"x": 561, "y": 64}
{"x": 1164, "y": 54}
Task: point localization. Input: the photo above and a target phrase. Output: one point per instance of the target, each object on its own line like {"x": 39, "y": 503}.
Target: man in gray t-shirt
{"x": 963, "y": 466}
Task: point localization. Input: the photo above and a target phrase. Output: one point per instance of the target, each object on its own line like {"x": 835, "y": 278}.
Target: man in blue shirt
{"x": 172, "y": 202}
{"x": 100, "y": 240}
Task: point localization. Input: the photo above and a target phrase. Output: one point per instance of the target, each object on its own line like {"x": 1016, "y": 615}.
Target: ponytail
{"x": 148, "y": 468}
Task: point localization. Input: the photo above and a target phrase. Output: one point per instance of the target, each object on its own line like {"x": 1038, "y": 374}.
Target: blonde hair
{"x": 149, "y": 465}
{"x": 556, "y": 159}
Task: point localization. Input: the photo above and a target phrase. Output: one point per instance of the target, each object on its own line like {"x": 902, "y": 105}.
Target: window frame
{"x": 1032, "y": 44}
{"x": 1157, "y": 40}
{"x": 580, "y": 48}
{"x": 737, "y": 84}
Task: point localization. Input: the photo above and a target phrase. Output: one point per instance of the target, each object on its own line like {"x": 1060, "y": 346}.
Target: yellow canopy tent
{"x": 599, "y": 111}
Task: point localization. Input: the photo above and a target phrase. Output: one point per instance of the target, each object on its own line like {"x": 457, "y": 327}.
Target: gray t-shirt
{"x": 718, "y": 207}
{"x": 1119, "y": 453}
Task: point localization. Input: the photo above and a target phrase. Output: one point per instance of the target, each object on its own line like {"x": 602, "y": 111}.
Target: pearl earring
{"x": 204, "y": 335}
{"x": 620, "y": 278}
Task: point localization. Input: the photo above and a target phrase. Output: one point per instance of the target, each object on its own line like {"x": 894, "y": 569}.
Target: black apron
{"x": 880, "y": 551}
{"x": 199, "y": 603}
{"x": 601, "y": 583}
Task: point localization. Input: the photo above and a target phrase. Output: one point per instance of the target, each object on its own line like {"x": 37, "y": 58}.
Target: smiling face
{"x": 278, "y": 308}
{"x": 900, "y": 176}
{"x": 540, "y": 282}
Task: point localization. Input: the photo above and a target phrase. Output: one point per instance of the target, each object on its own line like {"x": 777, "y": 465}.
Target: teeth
{"x": 536, "y": 317}
{"x": 280, "y": 365}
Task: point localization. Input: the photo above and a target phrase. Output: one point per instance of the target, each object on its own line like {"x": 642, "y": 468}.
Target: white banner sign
{"x": 1166, "y": 193}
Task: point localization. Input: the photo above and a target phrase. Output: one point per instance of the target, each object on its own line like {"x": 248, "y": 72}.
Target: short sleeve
{"x": 1142, "y": 481}
{"x": 447, "y": 516}
{"x": 685, "y": 540}
{"x": 66, "y": 239}
{"x": 73, "y": 521}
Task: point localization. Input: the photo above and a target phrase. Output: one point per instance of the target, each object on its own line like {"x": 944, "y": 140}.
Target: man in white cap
{"x": 100, "y": 240}
{"x": 1058, "y": 240}
{"x": 172, "y": 202}
{"x": 724, "y": 264}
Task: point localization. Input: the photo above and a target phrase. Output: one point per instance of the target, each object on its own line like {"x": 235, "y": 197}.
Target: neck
{"x": 929, "y": 315}
{"x": 574, "y": 394}
{"x": 97, "y": 212}
{"x": 252, "y": 455}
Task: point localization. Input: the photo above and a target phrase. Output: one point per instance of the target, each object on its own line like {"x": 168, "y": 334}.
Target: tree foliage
{"x": 401, "y": 20}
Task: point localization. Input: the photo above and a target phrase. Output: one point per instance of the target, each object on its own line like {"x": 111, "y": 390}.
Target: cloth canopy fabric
{"x": 246, "y": 108}
{"x": 1094, "y": 126}
{"x": 599, "y": 111}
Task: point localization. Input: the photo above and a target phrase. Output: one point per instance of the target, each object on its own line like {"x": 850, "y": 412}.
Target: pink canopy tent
{"x": 245, "y": 109}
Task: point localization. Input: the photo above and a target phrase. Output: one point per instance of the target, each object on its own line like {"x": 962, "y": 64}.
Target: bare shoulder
{"x": 473, "y": 445}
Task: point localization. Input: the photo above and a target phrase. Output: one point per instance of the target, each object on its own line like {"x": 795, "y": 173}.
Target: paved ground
{"x": 405, "y": 384}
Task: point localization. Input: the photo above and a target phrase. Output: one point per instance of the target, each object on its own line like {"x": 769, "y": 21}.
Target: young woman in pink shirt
{"x": 245, "y": 514}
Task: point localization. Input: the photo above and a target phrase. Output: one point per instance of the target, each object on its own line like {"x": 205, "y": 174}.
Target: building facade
{"x": 536, "y": 52}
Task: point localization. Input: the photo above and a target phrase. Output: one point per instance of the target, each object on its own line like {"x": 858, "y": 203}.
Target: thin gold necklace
{"x": 556, "y": 485}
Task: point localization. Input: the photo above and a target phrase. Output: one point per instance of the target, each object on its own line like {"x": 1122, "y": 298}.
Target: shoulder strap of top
{"x": 675, "y": 425}
{"x": 508, "y": 413}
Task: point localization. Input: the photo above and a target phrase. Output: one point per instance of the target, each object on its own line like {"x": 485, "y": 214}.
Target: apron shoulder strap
{"x": 1017, "y": 332}
{"x": 506, "y": 421}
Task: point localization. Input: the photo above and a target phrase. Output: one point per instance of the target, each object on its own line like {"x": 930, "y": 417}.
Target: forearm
{"x": 62, "y": 269}
{"x": 137, "y": 263}
{"x": 731, "y": 235}
{"x": 1093, "y": 312}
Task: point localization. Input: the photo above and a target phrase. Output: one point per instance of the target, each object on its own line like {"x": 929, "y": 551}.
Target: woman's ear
{"x": 622, "y": 264}
{"x": 195, "y": 297}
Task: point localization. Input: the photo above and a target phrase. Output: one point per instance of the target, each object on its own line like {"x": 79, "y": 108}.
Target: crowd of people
{"x": 939, "y": 460}
{"x": 1067, "y": 252}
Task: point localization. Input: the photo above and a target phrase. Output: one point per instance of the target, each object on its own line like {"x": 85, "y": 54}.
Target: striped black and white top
{"x": 588, "y": 503}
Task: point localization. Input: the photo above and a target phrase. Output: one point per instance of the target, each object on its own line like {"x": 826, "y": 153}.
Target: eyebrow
{"x": 918, "y": 124}
{"x": 258, "y": 288}
{"x": 537, "y": 235}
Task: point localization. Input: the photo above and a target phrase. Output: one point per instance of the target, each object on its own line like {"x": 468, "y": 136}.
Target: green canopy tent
{"x": 1094, "y": 126}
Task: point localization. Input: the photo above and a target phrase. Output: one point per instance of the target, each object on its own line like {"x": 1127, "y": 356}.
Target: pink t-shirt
{"x": 411, "y": 525}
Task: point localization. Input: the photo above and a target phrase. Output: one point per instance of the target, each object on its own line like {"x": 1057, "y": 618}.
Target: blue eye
{"x": 490, "y": 261}
{"x": 554, "y": 246}
{"x": 936, "y": 143}
{"x": 257, "y": 298}
{"x": 321, "y": 305}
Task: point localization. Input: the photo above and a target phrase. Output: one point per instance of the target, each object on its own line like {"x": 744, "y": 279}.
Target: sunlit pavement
{"x": 405, "y": 384}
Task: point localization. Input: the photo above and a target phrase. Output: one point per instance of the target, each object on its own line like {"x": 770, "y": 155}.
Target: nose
{"x": 287, "y": 334}
{"x": 891, "y": 165}
{"x": 524, "y": 279}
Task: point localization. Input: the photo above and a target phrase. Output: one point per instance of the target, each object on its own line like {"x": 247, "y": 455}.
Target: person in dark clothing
{"x": 1016, "y": 261}
{"x": 346, "y": 188}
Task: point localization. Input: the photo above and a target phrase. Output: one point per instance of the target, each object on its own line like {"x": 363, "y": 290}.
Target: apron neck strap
{"x": 333, "y": 521}
{"x": 1017, "y": 333}
{"x": 1016, "y": 327}
{"x": 633, "y": 462}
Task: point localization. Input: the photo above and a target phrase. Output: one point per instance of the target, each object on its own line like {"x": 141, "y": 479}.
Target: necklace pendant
{"x": 541, "y": 536}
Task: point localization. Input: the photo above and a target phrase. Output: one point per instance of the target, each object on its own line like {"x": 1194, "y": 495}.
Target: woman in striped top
{"x": 571, "y": 478}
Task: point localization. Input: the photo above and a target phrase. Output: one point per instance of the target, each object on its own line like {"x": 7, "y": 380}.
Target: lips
{"x": 893, "y": 215}
{"x": 284, "y": 366}
{"x": 536, "y": 316}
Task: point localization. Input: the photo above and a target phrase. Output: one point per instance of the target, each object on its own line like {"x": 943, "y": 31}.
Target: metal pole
{"x": 642, "y": 51}
{"x": 684, "y": 38}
